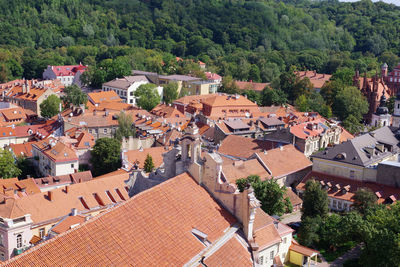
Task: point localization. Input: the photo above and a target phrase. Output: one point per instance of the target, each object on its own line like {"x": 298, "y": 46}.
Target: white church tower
{"x": 381, "y": 117}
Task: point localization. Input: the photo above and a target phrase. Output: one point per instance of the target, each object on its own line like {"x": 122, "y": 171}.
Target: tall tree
{"x": 148, "y": 164}
{"x": 125, "y": 126}
{"x": 269, "y": 192}
{"x": 350, "y": 101}
{"x": 170, "y": 92}
{"x": 147, "y": 96}
{"x": 364, "y": 199}
{"x": 105, "y": 156}
{"x": 315, "y": 201}
{"x": 8, "y": 168}
{"x": 74, "y": 96}
{"x": 50, "y": 107}
{"x": 271, "y": 97}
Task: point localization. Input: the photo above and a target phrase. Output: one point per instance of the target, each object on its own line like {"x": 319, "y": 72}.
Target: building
{"x": 318, "y": 80}
{"x": 30, "y": 94}
{"x": 183, "y": 81}
{"x": 246, "y": 127}
{"x": 81, "y": 142}
{"x": 373, "y": 89}
{"x": 97, "y": 98}
{"x": 391, "y": 79}
{"x": 221, "y": 106}
{"x": 134, "y": 159}
{"x": 381, "y": 116}
{"x": 125, "y": 87}
{"x": 250, "y": 85}
{"x": 213, "y": 77}
{"x": 341, "y": 191}
{"x": 53, "y": 182}
{"x": 166, "y": 111}
{"x": 54, "y": 158}
{"x": 309, "y": 137}
{"x": 203, "y": 87}
{"x": 358, "y": 158}
{"x": 68, "y": 75}
{"x": 186, "y": 104}
{"x": 22, "y": 150}
{"x": 26, "y": 220}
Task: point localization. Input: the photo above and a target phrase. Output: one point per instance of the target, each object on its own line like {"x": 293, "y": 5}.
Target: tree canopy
{"x": 269, "y": 192}
{"x": 50, "y": 106}
{"x": 147, "y": 96}
{"x": 8, "y": 167}
{"x": 125, "y": 126}
{"x": 148, "y": 164}
{"x": 105, "y": 156}
{"x": 74, "y": 96}
{"x": 315, "y": 200}
{"x": 170, "y": 92}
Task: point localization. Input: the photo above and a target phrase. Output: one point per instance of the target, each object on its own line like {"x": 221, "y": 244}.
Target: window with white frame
{"x": 285, "y": 240}
{"x": 271, "y": 255}
{"x": 41, "y": 232}
{"x": 261, "y": 260}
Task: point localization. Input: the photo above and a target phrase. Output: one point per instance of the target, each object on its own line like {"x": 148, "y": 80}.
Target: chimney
{"x": 74, "y": 212}
{"x": 50, "y": 195}
{"x": 66, "y": 189}
{"x": 249, "y": 206}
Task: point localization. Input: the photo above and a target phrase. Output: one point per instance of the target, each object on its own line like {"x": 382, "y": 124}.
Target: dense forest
{"x": 248, "y": 40}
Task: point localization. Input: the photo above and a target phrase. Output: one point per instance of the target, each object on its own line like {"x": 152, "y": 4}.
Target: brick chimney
{"x": 50, "y": 195}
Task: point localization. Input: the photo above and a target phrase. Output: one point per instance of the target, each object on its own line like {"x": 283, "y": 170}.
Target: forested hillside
{"x": 245, "y": 39}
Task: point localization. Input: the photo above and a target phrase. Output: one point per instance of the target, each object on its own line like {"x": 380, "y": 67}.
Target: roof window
{"x": 84, "y": 204}
{"x": 202, "y": 237}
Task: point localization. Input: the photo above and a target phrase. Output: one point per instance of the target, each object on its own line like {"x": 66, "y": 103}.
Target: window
{"x": 2, "y": 257}
{"x": 111, "y": 197}
{"x": 1, "y": 239}
{"x": 261, "y": 260}
{"x": 334, "y": 203}
{"x": 131, "y": 101}
{"x": 284, "y": 240}
{"x": 72, "y": 166}
{"x": 340, "y": 204}
{"x": 345, "y": 206}
{"x": 131, "y": 93}
{"x": 96, "y": 131}
{"x": 271, "y": 255}
{"x": 351, "y": 174}
{"x": 105, "y": 131}
{"x": 41, "y": 232}
{"x": 19, "y": 241}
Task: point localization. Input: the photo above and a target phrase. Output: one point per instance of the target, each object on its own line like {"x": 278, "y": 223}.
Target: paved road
{"x": 292, "y": 217}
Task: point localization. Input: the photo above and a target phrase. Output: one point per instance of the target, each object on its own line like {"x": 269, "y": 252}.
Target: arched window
{"x": 19, "y": 241}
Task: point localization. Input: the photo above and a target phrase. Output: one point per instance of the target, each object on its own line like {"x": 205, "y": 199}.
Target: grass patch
{"x": 331, "y": 255}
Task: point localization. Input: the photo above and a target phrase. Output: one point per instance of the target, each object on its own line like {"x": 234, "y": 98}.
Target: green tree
{"x": 148, "y": 164}
{"x": 74, "y": 96}
{"x": 125, "y": 126}
{"x": 315, "y": 201}
{"x": 352, "y": 124}
{"x": 253, "y": 96}
{"x": 350, "y": 101}
{"x": 105, "y": 156}
{"x": 344, "y": 75}
{"x": 308, "y": 232}
{"x": 271, "y": 97}
{"x": 50, "y": 107}
{"x": 228, "y": 85}
{"x": 147, "y": 96}
{"x": 26, "y": 166}
{"x": 269, "y": 192}
{"x": 8, "y": 168}
{"x": 390, "y": 104}
{"x": 170, "y": 92}
{"x": 364, "y": 199}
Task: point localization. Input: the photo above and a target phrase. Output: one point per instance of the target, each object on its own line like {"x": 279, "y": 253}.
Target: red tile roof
{"x": 318, "y": 80}
{"x": 154, "y": 228}
{"x": 68, "y": 70}
{"x": 68, "y": 223}
{"x": 284, "y": 160}
{"x": 243, "y": 147}
{"x": 18, "y": 188}
{"x": 385, "y": 191}
{"x": 165, "y": 111}
{"x": 108, "y": 96}
{"x": 251, "y": 85}
{"x": 24, "y": 149}
{"x": 303, "y": 250}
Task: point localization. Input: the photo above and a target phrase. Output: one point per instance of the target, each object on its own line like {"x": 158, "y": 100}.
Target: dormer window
{"x": 341, "y": 156}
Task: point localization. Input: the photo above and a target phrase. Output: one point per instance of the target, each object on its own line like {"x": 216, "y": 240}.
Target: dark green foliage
{"x": 105, "y": 156}
{"x": 252, "y": 95}
{"x": 147, "y": 96}
{"x": 315, "y": 201}
{"x": 26, "y": 166}
{"x": 170, "y": 92}
{"x": 125, "y": 126}
{"x": 273, "y": 97}
{"x": 350, "y": 101}
{"x": 315, "y": 102}
{"x": 148, "y": 164}
{"x": 364, "y": 199}
{"x": 50, "y": 107}
{"x": 74, "y": 96}
{"x": 8, "y": 167}
{"x": 271, "y": 195}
